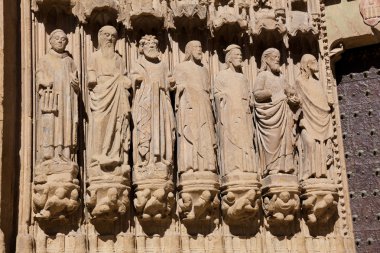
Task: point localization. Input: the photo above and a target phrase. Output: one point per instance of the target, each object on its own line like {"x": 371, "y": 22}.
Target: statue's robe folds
{"x": 234, "y": 123}
{"x": 275, "y": 126}
{"x": 153, "y": 117}
{"x": 59, "y": 69}
{"x": 316, "y": 125}
{"x": 195, "y": 120}
{"x": 109, "y": 134}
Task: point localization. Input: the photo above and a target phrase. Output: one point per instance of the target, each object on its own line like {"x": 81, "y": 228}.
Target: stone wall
{"x": 177, "y": 126}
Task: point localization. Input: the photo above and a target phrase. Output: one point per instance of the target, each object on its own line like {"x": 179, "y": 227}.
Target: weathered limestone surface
{"x": 202, "y": 126}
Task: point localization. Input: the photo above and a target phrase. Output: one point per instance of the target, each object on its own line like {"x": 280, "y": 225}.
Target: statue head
{"x": 58, "y": 40}
{"x": 193, "y": 51}
{"x": 60, "y": 192}
{"x": 107, "y": 37}
{"x": 309, "y": 65}
{"x": 234, "y": 57}
{"x": 148, "y": 46}
{"x": 270, "y": 60}
{"x": 284, "y": 196}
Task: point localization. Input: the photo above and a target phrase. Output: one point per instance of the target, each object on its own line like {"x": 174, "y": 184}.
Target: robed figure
{"x": 109, "y": 134}
{"x": 274, "y": 116}
{"x": 195, "y": 121}
{"x": 57, "y": 86}
{"x": 315, "y": 122}
{"x": 152, "y": 113}
{"x": 234, "y": 116}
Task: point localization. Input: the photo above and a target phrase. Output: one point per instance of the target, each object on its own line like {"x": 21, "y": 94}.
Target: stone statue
{"x": 274, "y": 100}
{"x": 195, "y": 120}
{"x": 153, "y": 118}
{"x": 109, "y": 134}
{"x": 55, "y": 176}
{"x": 316, "y": 122}
{"x": 153, "y": 133}
{"x": 57, "y": 86}
{"x": 109, "y": 104}
{"x": 233, "y": 110}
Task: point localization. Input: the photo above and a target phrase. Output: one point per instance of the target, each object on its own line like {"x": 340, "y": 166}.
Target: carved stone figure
{"x": 316, "y": 122}
{"x": 153, "y": 135}
{"x": 195, "y": 120}
{"x": 320, "y": 208}
{"x": 240, "y": 209}
{"x": 57, "y": 86}
{"x": 198, "y": 207}
{"x": 274, "y": 117}
{"x": 233, "y": 110}
{"x": 281, "y": 207}
{"x": 56, "y": 174}
{"x": 154, "y": 125}
{"x": 155, "y": 204}
{"x": 109, "y": 133}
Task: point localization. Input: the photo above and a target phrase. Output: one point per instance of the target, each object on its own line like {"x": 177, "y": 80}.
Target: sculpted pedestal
{"x": 281, "y": 204}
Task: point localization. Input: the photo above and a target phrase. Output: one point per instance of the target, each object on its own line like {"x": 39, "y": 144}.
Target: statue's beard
{"x": 275, "y": 68}
{"x": 107, "y": 48}
{"x": 152, "y": 53}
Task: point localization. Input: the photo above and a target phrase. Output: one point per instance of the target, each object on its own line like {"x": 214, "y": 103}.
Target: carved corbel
{"x": 107, "y": 202}
{"x": 319, "y": 203}
{"x": 281, "y": 203}
{"x": 199, "y": 200}
{"x": 154, "y": 201}
{"x": 56, "y": 190}
{"x": 241, "y": 199}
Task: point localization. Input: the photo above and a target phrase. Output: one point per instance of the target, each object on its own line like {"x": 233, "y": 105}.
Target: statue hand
{"x": 127, "y": 82}
{"x": 138, "y": 79}
{"x": 75, "y": 82}
{"x": 91, "y": 84}
{"x": 172, "y": 82}
{"x": 263, "y": 96}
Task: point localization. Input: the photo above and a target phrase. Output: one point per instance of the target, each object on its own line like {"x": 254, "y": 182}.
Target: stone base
{"x": 320, "y": 204}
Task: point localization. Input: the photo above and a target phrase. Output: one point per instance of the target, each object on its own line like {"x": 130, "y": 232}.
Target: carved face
{"x": 313, "y": 65}
{"x": 236, "y": 57}
{"x": 150, "y": 49}
{"x": 197, "y": 51}
{"x": 59, "y": 42}
{"x": 284, "y": 196}
{"x": 107, "y": 38}
{"x": 273, "y": 61}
